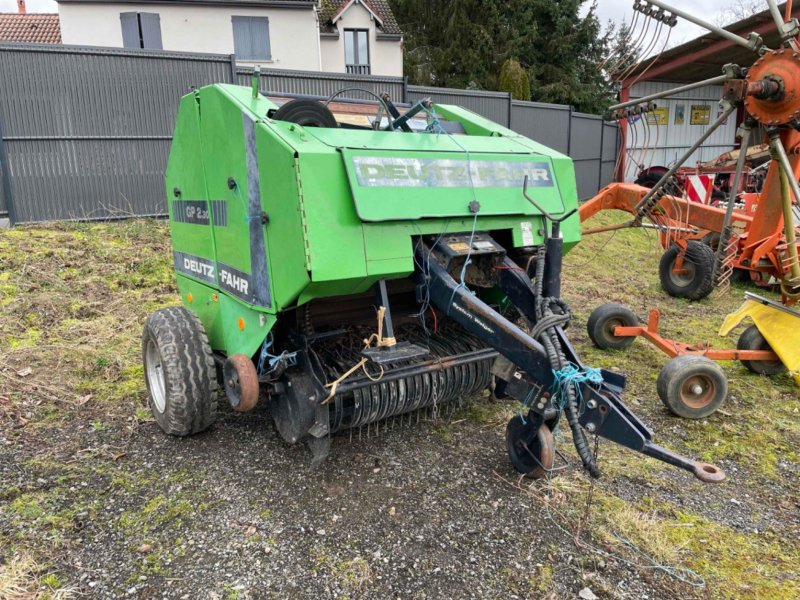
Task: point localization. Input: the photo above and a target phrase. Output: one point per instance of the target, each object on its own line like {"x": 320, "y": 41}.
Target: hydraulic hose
{"x": 552, "y": 345}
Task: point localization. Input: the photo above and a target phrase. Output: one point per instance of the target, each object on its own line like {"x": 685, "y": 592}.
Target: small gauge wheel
{"x": 692, "y": 386}
{"x": 751, "y": 339}
{"x": 604, "y": 320}
{"x": 533, "y": 460}
{"x": 241, "y": 382}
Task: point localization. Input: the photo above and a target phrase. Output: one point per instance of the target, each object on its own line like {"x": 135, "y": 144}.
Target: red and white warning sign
{"x": 698, "y": 187}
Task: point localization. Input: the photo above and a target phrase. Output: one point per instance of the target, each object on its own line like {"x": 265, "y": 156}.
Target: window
{"x": 251, "y": 38}
{"x": 141, "y": 30}
{"x": 356, "y": 51}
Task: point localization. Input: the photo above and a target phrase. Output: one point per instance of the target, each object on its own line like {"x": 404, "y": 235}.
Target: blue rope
{"x": 272, "y": 359}
{"x": 572, "y": 375}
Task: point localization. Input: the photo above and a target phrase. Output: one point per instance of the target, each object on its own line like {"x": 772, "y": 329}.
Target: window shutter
{"x": 251, "y": 38}
{"x": 263, "y": 38}
{"x": 151, "y": 30}
{"x": 130, "y": 30}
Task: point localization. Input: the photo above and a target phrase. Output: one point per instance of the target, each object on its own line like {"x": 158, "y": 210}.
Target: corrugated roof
{"x": 329, "y": 9}
{"x": 34, "y": 28}
{"x": 673, "y": 65}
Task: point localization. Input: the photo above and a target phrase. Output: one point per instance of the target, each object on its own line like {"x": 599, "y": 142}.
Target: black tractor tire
{"x": 649, "y": 180}
{"x": 692, "y": 386}
{"x": 308, "y": 113}
{"x": 602, "y": 322}
{"x": 179, "y": 371}
{"x": 699, "y": 264}
{"x": 751, "y": 339}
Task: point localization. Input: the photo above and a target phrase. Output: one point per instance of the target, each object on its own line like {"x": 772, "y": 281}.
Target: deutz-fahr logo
{"x": 372, "y": 171}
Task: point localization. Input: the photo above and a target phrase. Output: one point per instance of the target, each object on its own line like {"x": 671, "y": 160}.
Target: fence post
{"x": 234, "y": 76}
{"x": 569, "y": 132}
{"x": 602, "y": 148}
{"x": 5, "y": 174}
{"x": 510, "y": 108}
{"x": 405, "y": 89}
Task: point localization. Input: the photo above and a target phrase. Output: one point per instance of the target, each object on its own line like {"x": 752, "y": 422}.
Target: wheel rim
{"x": 682, "y": 279}
{"x": 611, "y": 325}
{"x": 698, "y": 391}
{"x": 155, "y": 376}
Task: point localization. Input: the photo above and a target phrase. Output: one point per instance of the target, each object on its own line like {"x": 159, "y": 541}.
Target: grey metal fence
{"x": 314, "y": 84}
{"x": 85, "y": 132}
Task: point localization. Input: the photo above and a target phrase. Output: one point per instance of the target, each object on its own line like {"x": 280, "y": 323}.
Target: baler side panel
{"x": 281, "y": 199}
{"x": 333, "y": 228}
{"x": 190, "y": 221}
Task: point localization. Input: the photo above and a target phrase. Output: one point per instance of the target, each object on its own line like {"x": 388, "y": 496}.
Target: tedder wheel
{"x": 692, "y": 386}
{"x": 602, "y": 322}
{"x": 241, "y": 382}
{"x": 533, "y": 461}
{"x": 751, "y": 339}
{"x": 697, "y": 280}
{"x": 179, "y": 371}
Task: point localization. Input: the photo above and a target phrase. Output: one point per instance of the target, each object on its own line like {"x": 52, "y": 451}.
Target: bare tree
{"x": 740, "y": 9}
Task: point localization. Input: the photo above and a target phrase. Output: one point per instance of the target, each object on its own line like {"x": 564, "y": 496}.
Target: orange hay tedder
{"x": 705, "y": 245}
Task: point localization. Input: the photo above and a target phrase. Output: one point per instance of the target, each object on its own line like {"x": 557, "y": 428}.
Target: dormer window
{"x": 356, "y": 51}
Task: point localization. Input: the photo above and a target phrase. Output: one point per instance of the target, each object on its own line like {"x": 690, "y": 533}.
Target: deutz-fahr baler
{"x": 353, "y": 270}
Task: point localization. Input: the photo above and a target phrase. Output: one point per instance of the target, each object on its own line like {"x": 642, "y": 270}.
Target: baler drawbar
{"x": 349, "y": 269}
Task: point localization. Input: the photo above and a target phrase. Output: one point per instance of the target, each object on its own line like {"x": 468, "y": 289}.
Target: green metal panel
{"x": 324, "y": 231}
{"x": 395, "y": 186}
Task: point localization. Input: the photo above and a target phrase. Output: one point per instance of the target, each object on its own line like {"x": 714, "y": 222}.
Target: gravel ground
{"x": 96, "y": 502}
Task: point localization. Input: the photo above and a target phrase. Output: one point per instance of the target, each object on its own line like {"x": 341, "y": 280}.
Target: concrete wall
{"x": 667, "y": 143}
{"x": 294, "y": 33}
{"x": 386, "y": 56}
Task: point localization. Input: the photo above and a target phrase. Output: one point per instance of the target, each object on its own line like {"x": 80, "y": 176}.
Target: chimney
{"x": 21, "y": 7}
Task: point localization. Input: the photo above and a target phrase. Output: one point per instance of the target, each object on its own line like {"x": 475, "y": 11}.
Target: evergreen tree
{"x": 464, "y": 44}
{"x": 514, "y": 78}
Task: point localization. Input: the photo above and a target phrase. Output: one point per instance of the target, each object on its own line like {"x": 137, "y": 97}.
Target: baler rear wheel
{"x": 179, "y": 371}
{"x": 692, "y": 386}
{"x": 241, "y": 382}
{"x": 604, "y": 320}
{"x": 751, "y": 339}
{"x": 697, "y": 280}
{"x": 535, "y": 460}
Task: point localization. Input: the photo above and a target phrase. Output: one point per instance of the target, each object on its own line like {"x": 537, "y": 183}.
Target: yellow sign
{"x": 658, "y": 116}
{"x": 701, "y": 114}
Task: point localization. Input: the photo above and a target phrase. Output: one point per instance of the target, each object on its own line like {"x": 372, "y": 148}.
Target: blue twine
{"x": 272, "y": 359}
{"x": 245, "y": 208}
{"x": 436, "y": 126}
{"x": 572, "y": 375}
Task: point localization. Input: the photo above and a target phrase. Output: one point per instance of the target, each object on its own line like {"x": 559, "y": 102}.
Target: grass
{"x": 74, "y": 297}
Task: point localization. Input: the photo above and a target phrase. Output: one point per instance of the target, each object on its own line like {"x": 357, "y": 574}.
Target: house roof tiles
{"x": 35, "y": 28}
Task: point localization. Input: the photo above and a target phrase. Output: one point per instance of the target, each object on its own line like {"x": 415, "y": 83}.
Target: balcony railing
{"x": 358, "y": 69}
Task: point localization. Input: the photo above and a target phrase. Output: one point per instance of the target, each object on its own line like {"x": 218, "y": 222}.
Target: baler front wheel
{"x": 751, "y": 339}
{"x": 696, "y": 280}
{"x": 534, "y": 460}
{"x": 692, "y": 386}
{"x": 179, "y": 371}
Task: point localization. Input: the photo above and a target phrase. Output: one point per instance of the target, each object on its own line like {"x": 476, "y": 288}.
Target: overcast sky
{"x": 615, "y": 10}
{"x": 622, "y": 10}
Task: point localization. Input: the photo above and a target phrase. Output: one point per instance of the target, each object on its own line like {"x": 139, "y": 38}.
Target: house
{"x": 352, "y": 36}
{"x": 33, "y": 29}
